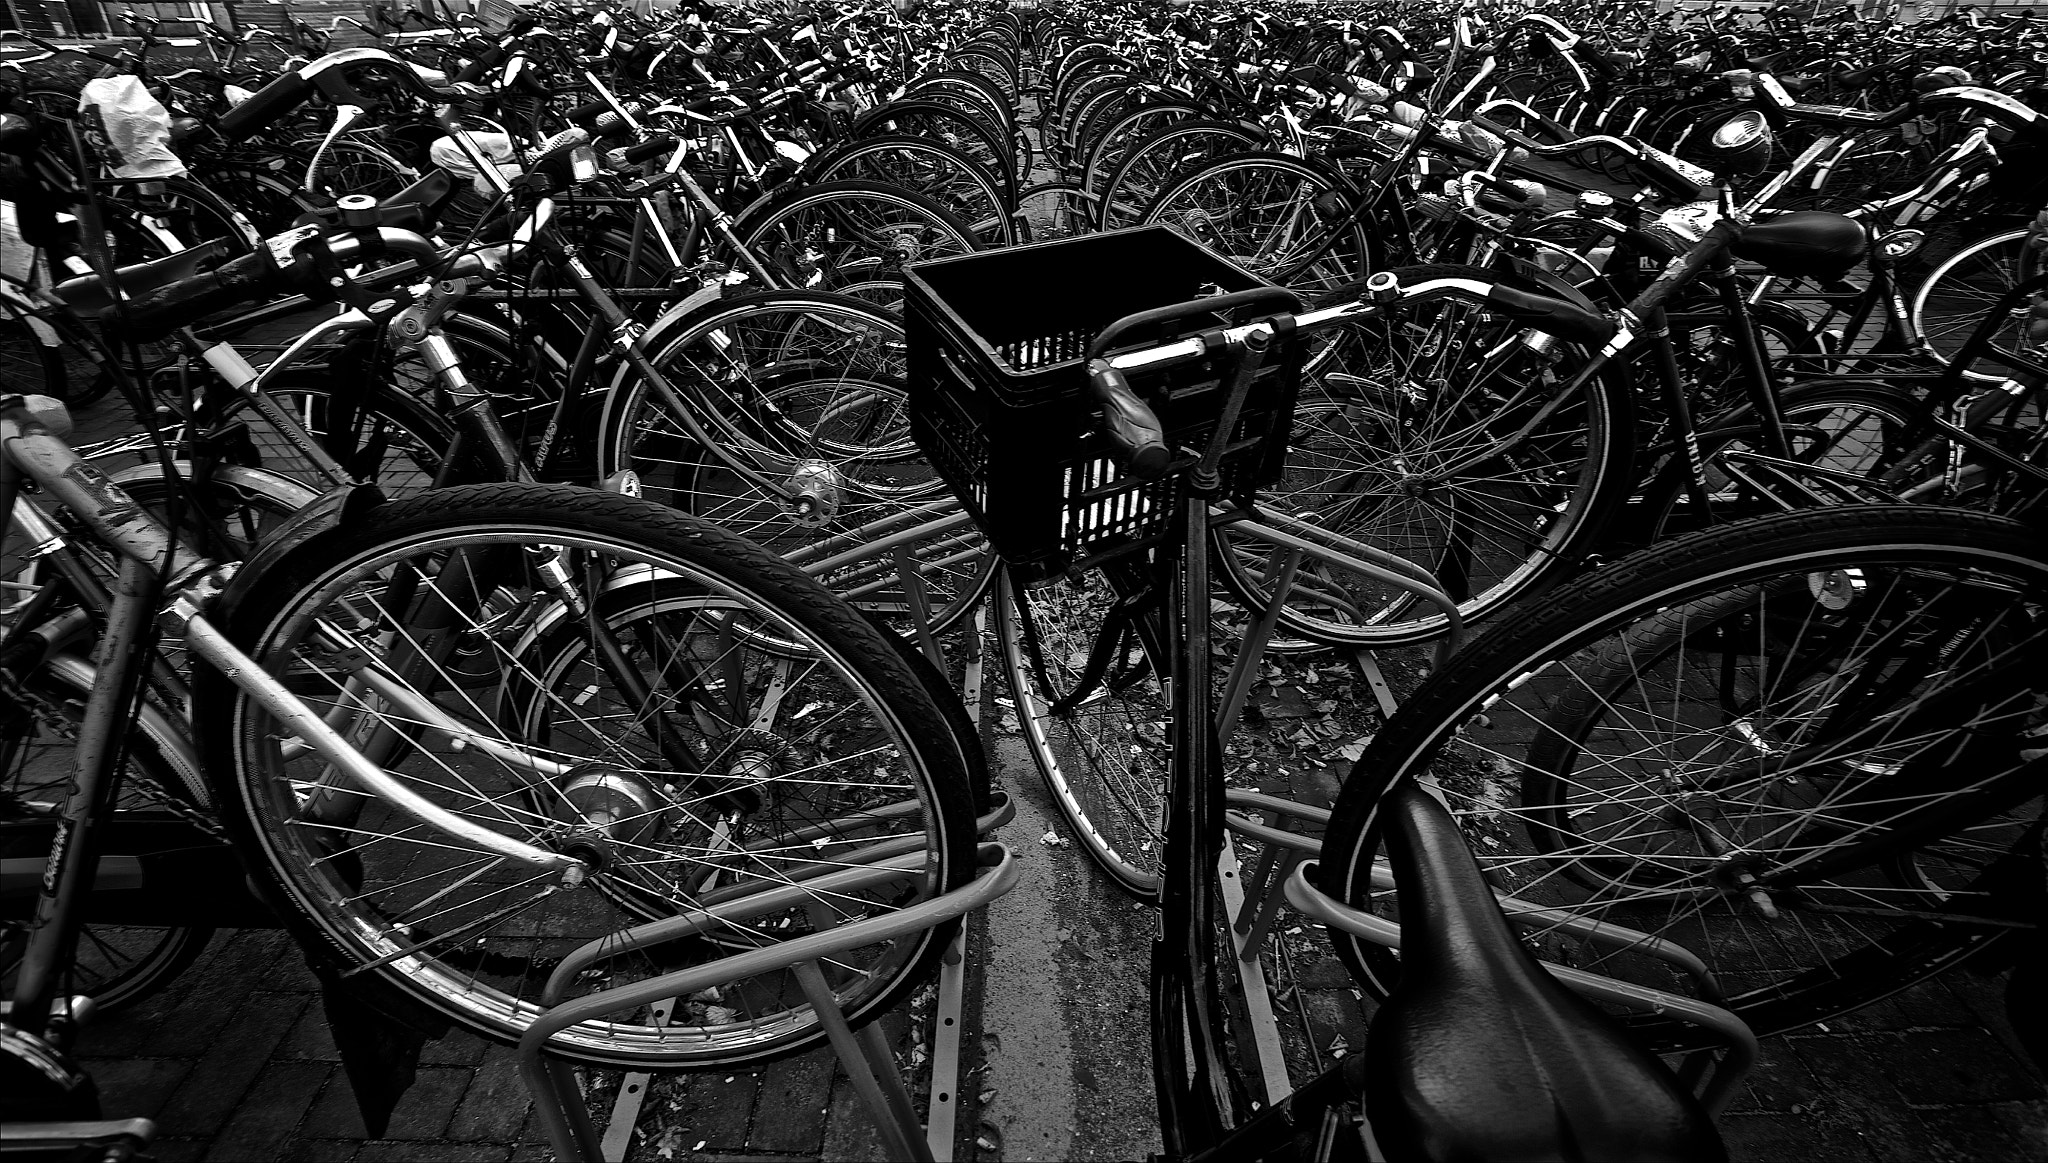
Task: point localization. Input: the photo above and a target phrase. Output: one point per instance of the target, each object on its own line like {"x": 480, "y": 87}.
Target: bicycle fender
{"x": 1554, "y": 285}
{"x": 337, "y": 510}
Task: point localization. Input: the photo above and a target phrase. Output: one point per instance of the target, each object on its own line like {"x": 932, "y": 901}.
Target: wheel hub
{"x": 606, "y": 806}
{"x": 814, "y": 493}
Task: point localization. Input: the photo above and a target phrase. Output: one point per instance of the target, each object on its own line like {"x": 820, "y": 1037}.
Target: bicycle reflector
{"x": 1901, "y": 244}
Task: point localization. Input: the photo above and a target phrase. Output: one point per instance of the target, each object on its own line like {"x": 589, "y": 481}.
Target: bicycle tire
{"x": 1104, "y": 761}
{"x": 934, "y": 169}
{"x": 1405, "y": 399}
{"x": 1279, "y": 217}
{"x": 753, "y": 648}
{"x": 1867, "y": 895}
{"x": 852, "y": 237}
{"x": 790, "y": 383}
{"x": 115, "y": 965}
{"x": 1849, "y": 431}
{"x": 1147, "y": 167}
{"x": 1950, "y": 304}
{"x": 31, "y": 355}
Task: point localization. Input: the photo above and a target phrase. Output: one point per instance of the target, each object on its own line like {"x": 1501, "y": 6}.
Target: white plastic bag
{"x": 498, "y": 147}
{"x": 129, "y": 127}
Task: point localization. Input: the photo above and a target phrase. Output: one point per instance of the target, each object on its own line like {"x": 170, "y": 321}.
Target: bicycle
{"x": 500, "y": 719}
{"x": 1137, "y": 497}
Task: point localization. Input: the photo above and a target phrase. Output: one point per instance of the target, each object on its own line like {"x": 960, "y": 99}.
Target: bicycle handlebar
{"x": 252, "y": 276}
{"x": 1136, "y": 437}
{"x": 325, "y": 75}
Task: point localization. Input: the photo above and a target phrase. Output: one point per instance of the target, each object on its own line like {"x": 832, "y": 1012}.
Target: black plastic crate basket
{"x": 999, "y": 400}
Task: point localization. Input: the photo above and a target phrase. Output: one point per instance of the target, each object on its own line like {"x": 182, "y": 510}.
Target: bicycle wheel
{"x": 945, "y": 123}
{"x": 954, "y": 180}
{"x": 31, "y": 354}
{"x": 779, "y": 739}
{"x": 1118, "y": 138}
{"x": 1951, "y": 304}
{"x": 1847, "y": 439}
{"x": 851, "y": 237}
{"x": 1802, "y": 747}
{"x": 1149, "y": 165}
{"x": 1097, "y": 733}
{"x": 1276, "y": 216}
{"x": 804, "y": 394}
{"x": 115, "y": 965}
{"x": 377, "y": 433}
{"x": 1415, "y": 444}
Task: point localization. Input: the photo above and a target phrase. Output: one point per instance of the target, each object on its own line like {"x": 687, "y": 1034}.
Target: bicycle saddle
{"x": 1805, "y": 243}
{"x": 1481, "y": 1055}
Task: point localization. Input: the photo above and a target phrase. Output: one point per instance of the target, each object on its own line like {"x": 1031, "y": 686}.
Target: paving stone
{"x": 2016, "y": 1130}
{"x": 459, "y": 1048}
{"x": 236, "y": 1056}
{"x": 1779, "y": 1082}
{"x": 334, "y": 1114}
{"x": 125, "y": 1035}
{"x": 792, "y": 1105}
{"x": 200, "y": 1004}
{"x": 1931, "y": 1003}
{"x": 429, "y": 1104}
{"x": 715, "y": 1109}
{"x": 1772, "y": 1138}
{"x": 385, "y": 1151}
{"x": 1962, "y": 1066}
{"x": 271, "y": 1111}
{"x": 850, "y": 1132}
{"x": 1986, "y": 999}
{"x": 496, "y": 1104}
{"x": 310, "y": 1038}
{"x": 1863, "y": 1099}
{"x": 319, "y": 1151}
{"x": 136, "y": 1087}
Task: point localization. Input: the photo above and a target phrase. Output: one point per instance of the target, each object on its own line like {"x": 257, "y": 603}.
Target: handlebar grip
{"x": 166, "y": 309}
{"x": 1563, "y": 319}
{"x": 587, "y": 114}
{"x": 1136, "y": 439}
{"x": 653, "y": 147}
{"x": 266, "y": 105}
{"x": 490, "y": 58}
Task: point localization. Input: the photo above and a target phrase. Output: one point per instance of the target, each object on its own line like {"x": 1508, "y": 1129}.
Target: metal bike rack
{"x": 1277, "y": 877}
{"x": 1736, "y": 1036}
{"x": 867, "y": 1058}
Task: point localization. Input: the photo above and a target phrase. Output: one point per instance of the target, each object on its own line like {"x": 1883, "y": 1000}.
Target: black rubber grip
{"x": 1135, "y": 438}
{"x": 164, "y": 310}
{"x": 587, "y": 114}
{"x": 1558, "y": 317}
{"x": 485, "y": 61}
{"x": 265, "y": 106}
{"x": 658, "y": 146}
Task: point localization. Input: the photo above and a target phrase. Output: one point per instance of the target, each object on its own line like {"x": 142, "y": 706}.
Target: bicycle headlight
{"x": 1743, "y": 138}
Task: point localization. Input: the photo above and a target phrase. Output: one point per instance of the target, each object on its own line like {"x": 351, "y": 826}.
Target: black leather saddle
{"x": 1812, "y": 244}
{"x": 1481, "y": 1055}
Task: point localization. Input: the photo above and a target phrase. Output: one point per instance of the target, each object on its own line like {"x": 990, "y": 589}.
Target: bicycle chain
{"x": 50, "y": 714}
